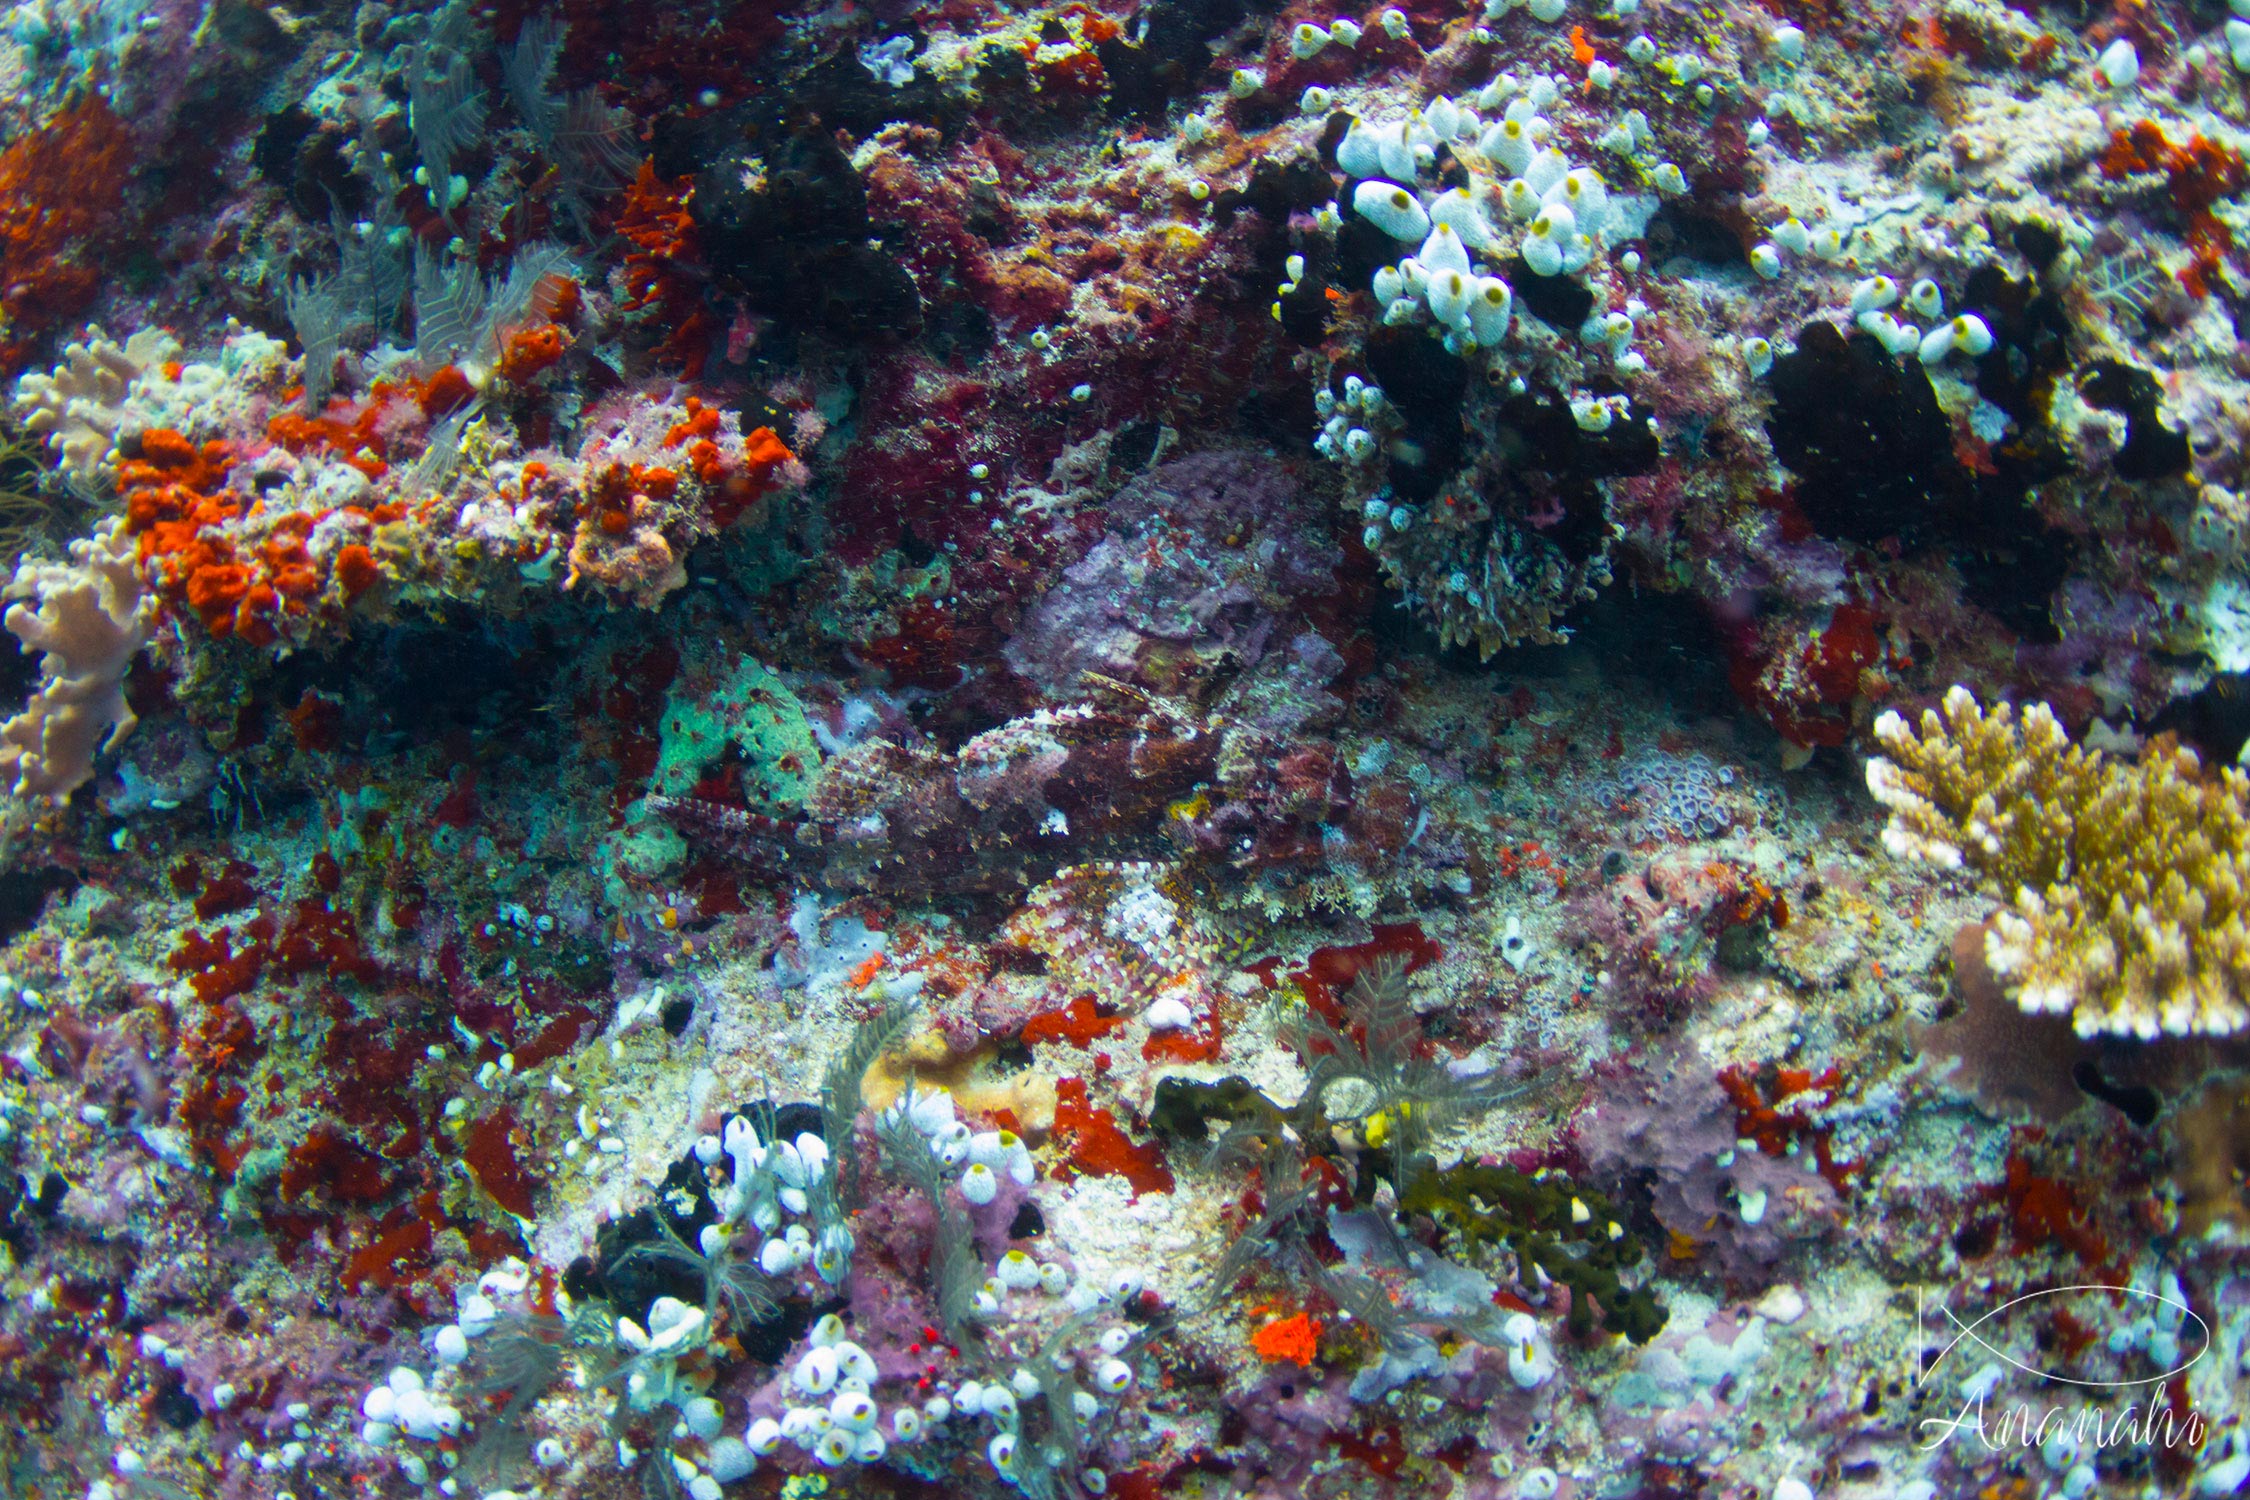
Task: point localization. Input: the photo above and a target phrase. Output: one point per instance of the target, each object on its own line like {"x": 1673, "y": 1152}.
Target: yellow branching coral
{"x": 2130, "y": 886}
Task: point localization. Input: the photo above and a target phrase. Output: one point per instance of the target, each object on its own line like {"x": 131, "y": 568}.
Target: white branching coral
{"x": 2129, "y": 886}
{"x": 80, "y": 408}
{"x": 88, "y": 617}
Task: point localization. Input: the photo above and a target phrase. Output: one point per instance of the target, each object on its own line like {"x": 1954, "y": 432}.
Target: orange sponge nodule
{"x": 1294, "y": 1339}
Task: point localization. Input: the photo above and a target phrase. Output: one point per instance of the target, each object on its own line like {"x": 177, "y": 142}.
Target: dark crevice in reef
{"x": 630, "y": 1268}
{"x": 1665, "y": 644}
{"x": 846, "y": 95}
{"x": 1861, "y": 430}
{"x": 23, "y": 895}
{"x": 2010, "y": 564}
{"x": 1276, "y": 190}
{"x": 2215, "y": 720}
{"x": 1164, "y": 52}
{"x": 1361, "y": 248}
{"x": 2030, "y": 350}
{"x": 2151, "y": 450}
{"x": 424, "y": 682}
{"x": 19, "y": 669}
{"x": 1426, "y": 386}
{"x": 310, "y": 164}
{"x": 1678, "y": 230}
{"x": 797, "y": 243}
{"x": 1550, "y": 464}
{"x": 1277, "y": 416}
{"x": 1878, "y": 464}
{"x": 1557, "y": 301}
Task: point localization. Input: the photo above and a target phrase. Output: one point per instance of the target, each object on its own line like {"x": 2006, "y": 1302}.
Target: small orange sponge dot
{"x": 1296, "y": 1340}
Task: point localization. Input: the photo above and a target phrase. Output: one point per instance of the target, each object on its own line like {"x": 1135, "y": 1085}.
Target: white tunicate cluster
{"x": 1525, "y": 197}
{"x": 403, "y": 1404}
{"x": 1017, "y": 1272}
{"x": 2156, "y": 1332}
{"x": 1873, "y": 299}
{"x": 2225, "y": 1471}
{"x": 833, "y": 1414}
{"x": 998, "y": 1403}
{"x": 1793, "y": 237}
{"x": 1350, "y": 422}
{"x": 957, "y": 1148}
{"x": 1873, "y": 293}
{"x": 1517, "y": 179}
{"x": 1980, "y": 1383}
{"x": 785, "y": 1178}
{"x": 981, "y": 1157}
{"x": 1309, "y": 40}
{"x": 406, "y": 1403}
{"x": 652, "y": 1380}
{"x": 1597, "y": 413}
{"x": 430, "y": 1411}
{"x": 1966, "y": 334}
{"x": 673, "y": 1327}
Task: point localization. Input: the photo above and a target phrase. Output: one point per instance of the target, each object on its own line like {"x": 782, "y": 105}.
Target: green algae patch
{"x": 753, "y": 713}
{"x": 1569, "y": 1232}
{"x": 751, "y": 717}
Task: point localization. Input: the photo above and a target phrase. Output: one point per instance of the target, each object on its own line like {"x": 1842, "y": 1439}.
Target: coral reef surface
{"x": 1124, "y": 748}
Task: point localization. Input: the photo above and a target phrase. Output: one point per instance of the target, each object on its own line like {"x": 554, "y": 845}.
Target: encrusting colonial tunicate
{"x": 1966, "y": 334}
{"x": 1450, "y": 293}
{"x": 1543, "y": 247}
{"x": 1392, "y": 209}
{"x": 979, "y": 1184}
{"x": 815, "y": 1373}
{"x": 1490, "y": 305}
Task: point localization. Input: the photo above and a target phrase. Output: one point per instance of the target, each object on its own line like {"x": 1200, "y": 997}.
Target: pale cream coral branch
{"x": 88, "y": 618}
{"x": 80, "y": 408}
{"x": 2128, "y": 886}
